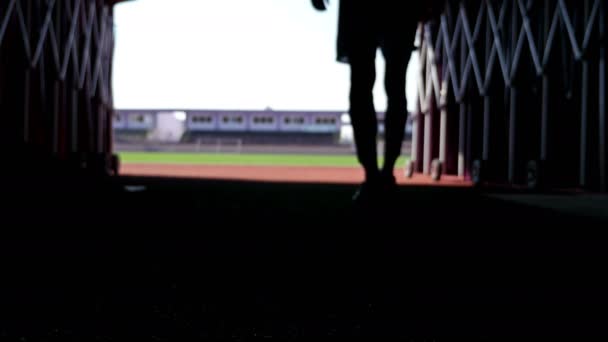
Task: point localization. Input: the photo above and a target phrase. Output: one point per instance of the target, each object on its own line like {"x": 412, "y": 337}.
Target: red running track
{"x": 297, "y": 174}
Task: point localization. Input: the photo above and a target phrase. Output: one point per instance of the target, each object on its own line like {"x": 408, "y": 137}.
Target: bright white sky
{"x": 231, "y": 54}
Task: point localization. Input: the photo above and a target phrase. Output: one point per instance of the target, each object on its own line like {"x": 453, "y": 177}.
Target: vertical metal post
{"x": 443, "y": 107}
{"x": 485, "y": 153}
{"x": 512, "y": 134}
{"x": 27, "y": 78}
{"x": 415, "y": 128}
{"x": 602, "y": 98}
{"x": 544, "y": 125}
{"x": 428, "y": 123}
{"x": 43, "y": 102}
{"x": 58, "y": 21}
{"x": 74, "y": 123}
{"x": 428, "y": 130}
{"x": 56, "y": 113}
{"x": 469, "y": 139}
{"x": 584, "y": 111}
{"x": 100, "y": 127}
{"x": 463, "y": 112}
{"x": 513, "y": 99}
{"x": 90, "y": 117}
{"x": 443, "y": 135}
{"x": 443, "y": 124}
{"x": 486, "y": 128}
{"x": 26, "y": 105}
{"x": 461, "y": 140}
{"x": 583, "y": 128}
{"x": 544, "y": 130}
{"x": 418, "y": 117}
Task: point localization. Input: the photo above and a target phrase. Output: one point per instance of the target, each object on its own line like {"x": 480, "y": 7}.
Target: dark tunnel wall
{"x": 521, "y": 88}
{"x": 55, "y": 83}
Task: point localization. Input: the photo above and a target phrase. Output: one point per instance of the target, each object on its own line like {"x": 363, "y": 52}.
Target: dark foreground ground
{"x": 166, "y": 259}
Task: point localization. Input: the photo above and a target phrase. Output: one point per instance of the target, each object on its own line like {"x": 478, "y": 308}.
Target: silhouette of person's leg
{"x": 397, "y": 56}
{"x": 362, "y": 111}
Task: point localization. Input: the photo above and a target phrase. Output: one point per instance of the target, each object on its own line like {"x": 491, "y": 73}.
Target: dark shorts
{"x": 386, "y": 24}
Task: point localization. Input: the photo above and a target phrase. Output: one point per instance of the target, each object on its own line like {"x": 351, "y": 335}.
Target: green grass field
{"x": 242, "y": 159}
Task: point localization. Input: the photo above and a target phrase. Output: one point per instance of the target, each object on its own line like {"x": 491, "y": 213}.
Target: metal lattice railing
{"x": 64, "y": 48}
{"x": 482, "y": 57}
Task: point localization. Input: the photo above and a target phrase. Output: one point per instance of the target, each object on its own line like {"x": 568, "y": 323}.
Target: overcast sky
{"x": 230, "y": 54}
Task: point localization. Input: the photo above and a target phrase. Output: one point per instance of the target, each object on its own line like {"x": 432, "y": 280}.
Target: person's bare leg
{"x": 362, "y": 111}
{"x": 397, "y": 60}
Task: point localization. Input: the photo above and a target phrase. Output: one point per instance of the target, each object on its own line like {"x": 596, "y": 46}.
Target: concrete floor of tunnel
{"x": 215, "y": 258}
{"x": 414, "y": 208}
